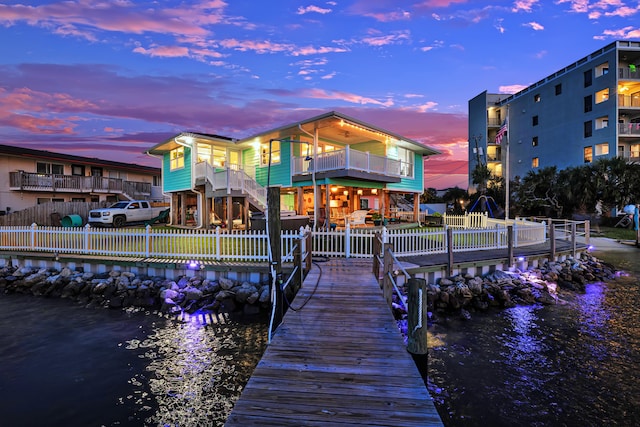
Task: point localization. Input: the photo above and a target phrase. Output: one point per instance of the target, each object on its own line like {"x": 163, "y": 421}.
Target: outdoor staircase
{"x": 234, "y": 182}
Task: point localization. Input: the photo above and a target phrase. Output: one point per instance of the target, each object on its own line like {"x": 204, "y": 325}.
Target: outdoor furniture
{"x": 358, "y": 218}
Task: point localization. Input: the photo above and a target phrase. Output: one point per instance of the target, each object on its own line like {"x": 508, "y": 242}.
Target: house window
{"x": 588, "y": 103}
{"x": 602, "y": 122}
{"x": 157, "y": 181}
{"x": 602, "y": 69}
{"x": 602, "y": 149}
{"x": 535, "y": 162}
{"x": 588, "y": 154}
{"x": 536, "y": 97}
{"x": 406, "y": 162}
{"x": 42, "y": 200}
{"x": 588, "y": 78}
{"x": 559, "y": 89}
{"x": 534, "y": 141}
{"x": 176, "y": 158}
{"x": 602, "y": 96}
{"x": 78, "y": 199}
{"x": 588, "y": 128}
{"x": 275, "y": 153}
{"x": 534, "y": 120}
{"x": 49, "y": 168}
{"x": 215, "y": 156}
{"x": 77, "y": 170}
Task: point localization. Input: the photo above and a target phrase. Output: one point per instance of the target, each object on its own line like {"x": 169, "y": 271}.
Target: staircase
{"x": 235, "y": 182}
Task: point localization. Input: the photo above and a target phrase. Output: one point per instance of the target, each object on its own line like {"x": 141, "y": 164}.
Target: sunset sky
{"x": 111, "y": 78}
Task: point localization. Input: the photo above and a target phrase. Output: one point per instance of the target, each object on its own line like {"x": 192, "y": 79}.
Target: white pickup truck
{"x": 122, "y": 213}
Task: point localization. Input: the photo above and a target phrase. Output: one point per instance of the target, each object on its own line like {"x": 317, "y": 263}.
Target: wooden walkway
{"x": 338, "y": 360}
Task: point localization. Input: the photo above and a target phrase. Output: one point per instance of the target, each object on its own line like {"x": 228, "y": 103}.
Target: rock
{"x": 192, "y": 293}
{"x": 225, "y": 283}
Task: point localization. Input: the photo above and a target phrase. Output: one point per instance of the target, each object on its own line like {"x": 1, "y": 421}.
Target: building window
{"x": 406, "y": 162}
{"x": 588, "y": 154}
{"x": 602, "y": 96}
{"x": 588, "y": 103}
{"x": 588, "y": 78}
{"x": 602, "y": 69}
{"x": 176, "y": 158}
{"x": 534, "y": 120}
{"x": 157, "y": 180}
{"x": 535, "y": 162}
{"x": 275, "y": 153}
{"x": 534, "y": 141}
{"x": 77, "y": 170}
{"x": 215, "y": 156}
{"x": 588, "y": 129}
{"x": 49, "y": 168}
{"x": 536, "y": 97}
{"x": 558, "y": 88}
{"x": 78, "y": 199}
{"x": 602, "y": 122}
{"x": 602, "y": 149}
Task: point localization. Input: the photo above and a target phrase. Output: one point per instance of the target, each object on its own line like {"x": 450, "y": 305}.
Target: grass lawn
{"x": 615, "y": 233}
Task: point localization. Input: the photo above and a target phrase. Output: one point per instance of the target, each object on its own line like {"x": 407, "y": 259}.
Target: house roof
{"x": 333, "y": 126}
{"x": 339, "y": 127}
{"x": 174, "y": 141}
{"x": 50, "y": 156}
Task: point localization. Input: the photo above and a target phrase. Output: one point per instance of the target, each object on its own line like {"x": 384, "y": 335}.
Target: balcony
{"x": 25, "y": 181}
{"x": 629, "y": 101}
{"x": 629, "y": 129}
{"x": 350, "y": 163}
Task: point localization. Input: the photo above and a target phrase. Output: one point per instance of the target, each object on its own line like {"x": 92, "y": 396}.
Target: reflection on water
{"x": 62, "y": 364}
{"x": 574, "y": 364}
{"x": 193, "y": 375}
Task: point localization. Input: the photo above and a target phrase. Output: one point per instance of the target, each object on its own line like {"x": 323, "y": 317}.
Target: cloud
{"x": 315, "y": 9}
{"x": 387, "y": 39}
{"x": 524, "y": 5}
{"x": 511, "y": 88}
{"x": 534, "y": 25}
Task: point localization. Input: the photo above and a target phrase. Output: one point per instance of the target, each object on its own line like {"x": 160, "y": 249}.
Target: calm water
{"x": 576, "y": 364}
{"x": 65, "y": 365}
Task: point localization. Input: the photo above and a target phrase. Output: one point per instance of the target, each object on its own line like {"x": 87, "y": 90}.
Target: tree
{"x": 538, "y": 193}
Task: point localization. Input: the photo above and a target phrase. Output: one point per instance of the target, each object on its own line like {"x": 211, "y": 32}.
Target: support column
{"x": 229, "y": 212}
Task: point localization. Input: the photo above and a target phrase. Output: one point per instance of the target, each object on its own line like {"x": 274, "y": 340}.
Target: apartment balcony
{"x": 349, "y": 163}
{"x": 629, "y": 129}
{"x": 626, "y": 73}
{"x": 629, "y": 101}
{"x": 25, "y": 181}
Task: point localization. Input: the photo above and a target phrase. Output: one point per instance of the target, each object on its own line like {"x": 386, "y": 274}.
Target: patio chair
{"x": 358, "y": 218}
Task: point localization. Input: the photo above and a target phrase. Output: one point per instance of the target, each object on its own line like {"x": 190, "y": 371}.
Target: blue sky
{"x": 111, "y": 78}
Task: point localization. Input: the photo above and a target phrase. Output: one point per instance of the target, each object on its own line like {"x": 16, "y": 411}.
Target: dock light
{"x": 521, "y": 258}
{"x": 195, "y": 265}
{"x": 590, "y": 248}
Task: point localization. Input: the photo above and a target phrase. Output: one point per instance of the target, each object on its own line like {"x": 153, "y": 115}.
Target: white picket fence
{"x": 239, "y": 245}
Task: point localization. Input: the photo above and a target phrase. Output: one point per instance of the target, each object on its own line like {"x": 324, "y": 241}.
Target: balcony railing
{"x": 26, "y": 181}
{"x": 629, "y": 129}
{"x": 626, "y": 73}
{"x": 349, "y": 159}
{"x": 629, "y": 100}
{"x": 231, "y": 179}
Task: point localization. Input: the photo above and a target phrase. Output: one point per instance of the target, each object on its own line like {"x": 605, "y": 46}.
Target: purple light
{"x": 590, "y": 248}
{"x": 520, "y": 258}
{"x": 194, "y": 265}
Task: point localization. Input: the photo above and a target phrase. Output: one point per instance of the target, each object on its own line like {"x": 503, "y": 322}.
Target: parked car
{"x": 121, "y": 213}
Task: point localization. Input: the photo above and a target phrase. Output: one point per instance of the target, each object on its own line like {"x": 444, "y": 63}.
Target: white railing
{"x": 347, "y": 159}
{"x": 230, "y": 179}
{"x": 182, "y": 244}
{"x": 466, "y": 221}
{"x": 240, "y": 245}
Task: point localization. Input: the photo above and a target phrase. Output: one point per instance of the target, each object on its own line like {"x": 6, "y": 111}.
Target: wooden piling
{"x": 417, "y": 316}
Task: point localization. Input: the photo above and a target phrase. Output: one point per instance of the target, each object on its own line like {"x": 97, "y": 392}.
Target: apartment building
{"x": 34, "y": 177}
{"x": 586, "y": 111}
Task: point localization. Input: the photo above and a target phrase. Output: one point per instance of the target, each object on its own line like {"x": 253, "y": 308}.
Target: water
{"x": 62, "y": 364}
{"x": 565, "y": 365}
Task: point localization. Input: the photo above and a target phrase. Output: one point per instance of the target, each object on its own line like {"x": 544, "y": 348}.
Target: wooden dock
{"x": 337, "y": 359}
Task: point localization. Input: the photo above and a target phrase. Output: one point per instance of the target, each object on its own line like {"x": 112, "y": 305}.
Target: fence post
{"x": 376, "y": 247}
{"x": 387, "y": 286}
{"x": 309, "y": 247}
{"x": 147, "y": 243}
{"x": 449, "y": 251}
{"x": 217, "y": 240}
{"x": 515, "y": 233}
{"x": 87, "y": 240}
{"x": 573, "y": 239}
{"x": 32, "y": 242}
{"x": 297, "y": 263}
{"x": 417, "y": 316}
{"x": 510, "y": 245}
{"x": 587, "y": 232}
{"x": 347, "y": 240}
{"x": 552, "y": 241}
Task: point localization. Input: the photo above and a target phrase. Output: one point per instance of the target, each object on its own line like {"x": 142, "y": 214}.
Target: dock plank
{"x": 338, "y": 360}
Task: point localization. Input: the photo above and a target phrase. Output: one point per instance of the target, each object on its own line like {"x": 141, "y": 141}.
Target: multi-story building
{"x": 588, "y": 110}
{"x": 34, "y": 177}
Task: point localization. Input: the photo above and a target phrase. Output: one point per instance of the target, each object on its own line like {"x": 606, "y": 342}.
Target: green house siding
{"x": 280, "y": 172}
{"x": 372, "y": 147}
{"x": 415, "y": 184}
{"x": 179, "y": 179}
